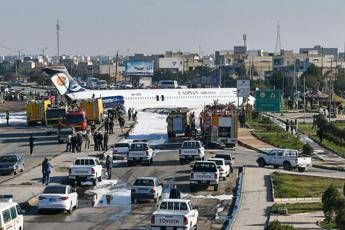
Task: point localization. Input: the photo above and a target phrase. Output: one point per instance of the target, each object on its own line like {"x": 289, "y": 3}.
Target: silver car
{"x": 11, "y": 163}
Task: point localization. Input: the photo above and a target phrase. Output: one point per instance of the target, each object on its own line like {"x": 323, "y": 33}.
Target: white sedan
{"x": 224, "y": 169}
{"x": 58, "y": 197}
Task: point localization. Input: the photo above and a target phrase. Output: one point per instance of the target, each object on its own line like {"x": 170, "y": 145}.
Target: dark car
{"x": 11, "y": 163}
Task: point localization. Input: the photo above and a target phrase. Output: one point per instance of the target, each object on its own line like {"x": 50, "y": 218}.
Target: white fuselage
{"x": 165, "y": 98}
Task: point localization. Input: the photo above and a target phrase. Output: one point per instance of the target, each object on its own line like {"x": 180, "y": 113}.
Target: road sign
{"x": 267, "y": 101}
{"x": 243, "y": 88}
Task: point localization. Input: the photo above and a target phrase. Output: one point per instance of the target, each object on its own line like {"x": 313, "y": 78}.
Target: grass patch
{"x": 297, "y": 207}
{"x": 272, "y": 134}
{"x": 297, "y": 186}
{"x": 307, "y": 129}
{"x": 328, "y": 226}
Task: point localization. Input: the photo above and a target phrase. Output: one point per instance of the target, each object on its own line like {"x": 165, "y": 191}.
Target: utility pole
{"x": 330, "y": 93}
{"x": 116, "y": 64}
{"x": 220, "y": 76}
{"x": 58, "y": 40}
{"x": 304, "y": 102}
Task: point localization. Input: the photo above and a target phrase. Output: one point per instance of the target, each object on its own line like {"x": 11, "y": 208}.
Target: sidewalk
{"x": 300, "y": 221}
{"x": 246, "y": 139}
{"x": 256, "y": 200}
{"x": 28, "y": 185}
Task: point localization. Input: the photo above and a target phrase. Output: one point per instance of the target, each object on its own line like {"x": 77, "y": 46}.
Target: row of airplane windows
{"x": 162, "y": 97}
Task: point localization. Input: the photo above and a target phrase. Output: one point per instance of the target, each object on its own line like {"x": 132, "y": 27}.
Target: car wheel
{"x": 14, "y": 172}
{"x": 70, "y": 210}
{"x": 196, "y": 226}
{"x": 276, "y": 166}
{"x": 300, "y": 169}
{"x": 261, "y": 163}
{"x": 40, "y": 211}
{"x": 99, "y": 178}
{"x": 76, "y": 204}
{"x": 228, "y": 174}
{"x": 129, "y": 164}
{"x": 155, "y": 200}
{"x": 132, "y": 200}
{"x": 78, "y": 183}
{"x": 94, "y": 182}
{"x": 215, "y": 187}
{"x": 181, "y": 161}
{"x": 224, "y": 178}
{"x": 287, "y": 165}
{"x": 192, "y": 188}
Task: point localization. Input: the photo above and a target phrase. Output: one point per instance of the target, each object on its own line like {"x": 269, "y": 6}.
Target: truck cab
{"x": 76, "y": 119}
{"x": 191, "y": 150}
{"x": 140, "y": 152}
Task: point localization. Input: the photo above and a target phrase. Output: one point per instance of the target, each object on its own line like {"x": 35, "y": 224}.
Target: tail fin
{"x": 62, "y": 80}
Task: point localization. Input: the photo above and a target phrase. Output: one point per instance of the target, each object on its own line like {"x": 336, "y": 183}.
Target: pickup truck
{"x": 146, "y": 188}
{"x": 288, "y": 158}
{"x": 224, "y": 169}
{"x": 204, "y": 174}
{"x": 85, "y": 169}
{"x": 139, "y": 152}
{"x": 175, "y": 214}
{"x": 191, "y": 150}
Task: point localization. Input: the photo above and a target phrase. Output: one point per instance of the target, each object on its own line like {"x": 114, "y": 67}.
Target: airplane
{"x": 139, "y": 99}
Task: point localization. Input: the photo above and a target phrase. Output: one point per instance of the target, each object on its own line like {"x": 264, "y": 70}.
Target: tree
{"x": 330, "y": 199}
{"x": 344, "y": 189}
{"x": 307, "y": 149}
{"x": 313, "y": 78}
{"x": 276, "y": 225}
{"x": 340, "y": 219}
{"x": 279, "y": 80}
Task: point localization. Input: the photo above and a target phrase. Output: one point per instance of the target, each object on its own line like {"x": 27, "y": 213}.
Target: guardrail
{"x": 236, "y": 202}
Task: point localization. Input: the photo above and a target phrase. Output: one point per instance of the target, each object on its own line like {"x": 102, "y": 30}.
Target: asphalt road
{"x": 119, "y": 213}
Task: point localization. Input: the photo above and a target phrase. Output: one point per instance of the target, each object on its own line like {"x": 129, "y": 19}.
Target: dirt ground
{"x": 12, "y": 106}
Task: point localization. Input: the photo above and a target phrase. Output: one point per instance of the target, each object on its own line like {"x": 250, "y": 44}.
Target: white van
{"x": 11, "y": 217}
{"x": 167, "y": 84}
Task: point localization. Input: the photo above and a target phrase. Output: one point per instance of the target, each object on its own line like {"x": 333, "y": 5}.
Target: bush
{"x": 276, "y": 225}
{"x": 307, "y": 149}
{"x": 330, "y": 200}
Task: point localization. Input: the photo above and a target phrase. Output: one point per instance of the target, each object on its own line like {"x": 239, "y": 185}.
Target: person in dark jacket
{"x": 44, "y": 167}
{"x": 74, "y": 143}
{"x": 100, "y": 141}
{"x": 105, "y": 141}
{"x": 175, "y": 193}
{"x": 108, "y": 165}
{"x": 31, "y": 144}
{"x": 95, "y": 141}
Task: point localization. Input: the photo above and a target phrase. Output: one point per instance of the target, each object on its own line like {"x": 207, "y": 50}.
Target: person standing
{"x": 79, "y": 141}
{"x": 44, "y": 167}
{"x": 100, "y": 141}
{"x": 95, "y": 141}
{"x": 73, "y": 142}
{"x": 175, "y": 193}
{"x": 68, "y": 143}
{"x": 106, "y": 125}
{"x": 129, "y": 114}
{"x": 48, "y": 168}
{"x": 111, "y": 126}
{"x": 105, "y": 141}
{"x": 88, "y": 139}
{"x": 31, "y": 144}
{"x": 109, "y": 166}
{"x": 7, "y": 117}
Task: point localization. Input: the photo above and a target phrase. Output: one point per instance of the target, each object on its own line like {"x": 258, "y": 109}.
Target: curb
{"x": 340, "y": 169}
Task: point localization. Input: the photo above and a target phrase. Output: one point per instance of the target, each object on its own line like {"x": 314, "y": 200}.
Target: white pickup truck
{"x": 85, "y": 169}
{"x": 139, "y": 152}
{"x": 191, "y": 150}
{"x": 204, "y": 174}
{"x": 288, "y": 158}
{"x": 175, "y": 214}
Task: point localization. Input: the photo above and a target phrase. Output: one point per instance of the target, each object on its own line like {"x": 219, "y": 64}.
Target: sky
{"x": 102, "y": 27}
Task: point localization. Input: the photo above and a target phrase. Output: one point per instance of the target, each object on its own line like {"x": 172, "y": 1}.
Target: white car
{"x": 175, "y": 214}
{"x": 224, "y": 169}
{"x": 146, "y": 188}
{"x": 191, "y": 150}
{"x": 140, "y": 152}
{"x": 11, "y": 216}
{"x": 58, "y": 197}
{"x": 121, "y": 148}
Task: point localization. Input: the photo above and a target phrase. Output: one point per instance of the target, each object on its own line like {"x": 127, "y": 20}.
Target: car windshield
{"x": 139, "y": 146}
{"x": 8, "y": 159}
{"x": 74, "y": 118}
{"x": 121, "y": 145}
{"x": 55, "y": 190}
{"x": 218, "y": 162}
{"x": 224, "y": 156}
{"x": 191, "y": 145}
{"x": 204, "y": 167}
{"x": 143, "y": 182}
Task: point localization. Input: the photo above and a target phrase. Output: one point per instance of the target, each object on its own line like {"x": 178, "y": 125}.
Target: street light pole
{"x": 304, "y": 102}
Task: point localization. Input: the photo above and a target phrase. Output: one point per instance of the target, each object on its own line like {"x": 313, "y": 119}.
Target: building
{"x": 175, "y": 64}
{"x": 319, "y": 50}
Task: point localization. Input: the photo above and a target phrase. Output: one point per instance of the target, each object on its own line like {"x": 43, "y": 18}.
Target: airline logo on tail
{"x": 65, "y": 84}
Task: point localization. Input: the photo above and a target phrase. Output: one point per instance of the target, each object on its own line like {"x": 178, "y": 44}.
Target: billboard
{"x": 243, "y": 88}
{"x": 139, "y": 68}
{"x": 171, "y": 63}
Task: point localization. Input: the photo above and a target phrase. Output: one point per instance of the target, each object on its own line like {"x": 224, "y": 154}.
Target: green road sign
{"x": 267, "y": 101}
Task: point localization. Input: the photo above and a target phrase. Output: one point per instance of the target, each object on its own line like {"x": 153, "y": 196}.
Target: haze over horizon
{"x": 154, "y": 26}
